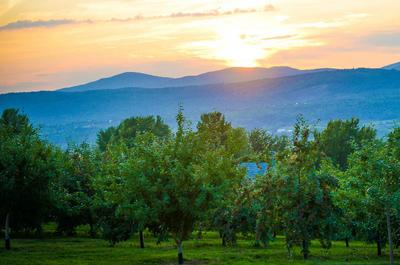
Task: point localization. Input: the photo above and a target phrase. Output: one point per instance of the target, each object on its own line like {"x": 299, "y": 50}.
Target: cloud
{"x": 23, "y": 24}
{"x": 214, "y": 12}
{"x": 207, "y": 13}
{"x": 280, "y": 37}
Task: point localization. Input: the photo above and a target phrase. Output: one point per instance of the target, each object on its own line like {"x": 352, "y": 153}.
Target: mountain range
{"x": 268, "y": 98}
{"x": 229, "y": 75}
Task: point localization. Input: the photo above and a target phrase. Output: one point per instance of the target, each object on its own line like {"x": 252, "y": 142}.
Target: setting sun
{"x": 231, "y": 47}
{"x": 237, "y": 50}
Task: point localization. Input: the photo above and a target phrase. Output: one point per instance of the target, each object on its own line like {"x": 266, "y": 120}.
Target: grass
{"x": 83, "y": 250}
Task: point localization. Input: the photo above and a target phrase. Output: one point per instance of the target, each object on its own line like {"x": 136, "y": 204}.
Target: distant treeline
{"x": 341, "y": 183}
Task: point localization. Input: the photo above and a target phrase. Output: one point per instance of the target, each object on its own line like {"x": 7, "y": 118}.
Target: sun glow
{"x": 236, "y": 50}
{"x": 230, "y": 46}
{"x": 77, "y": 41}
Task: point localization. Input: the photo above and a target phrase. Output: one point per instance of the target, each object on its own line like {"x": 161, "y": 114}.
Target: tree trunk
{"x": 92, "y": 232}
{"x": 225, "y": 234}
{"x": 200, "y": 232}
{"x": 39, "y": 232}
{"x": 180, "y": 253}
{"x": 379, "y": 244}
{"x": 347, "y": 242}
{"x": 257, "y": 238}
{"x": 305, "y": 249}
{"x": 7, "y": 239}
{"x": 141, "y": 239}
{"x": 389, "y": 231}
{"x": 223, "y": 240}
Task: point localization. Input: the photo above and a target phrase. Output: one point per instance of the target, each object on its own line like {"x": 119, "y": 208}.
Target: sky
{"x": 50, "y": 44}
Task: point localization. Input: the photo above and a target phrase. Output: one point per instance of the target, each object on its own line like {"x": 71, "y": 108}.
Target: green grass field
{"x": 83, "y": 250}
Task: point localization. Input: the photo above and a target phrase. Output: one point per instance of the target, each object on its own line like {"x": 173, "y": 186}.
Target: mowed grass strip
{"x": 208, "y": 250}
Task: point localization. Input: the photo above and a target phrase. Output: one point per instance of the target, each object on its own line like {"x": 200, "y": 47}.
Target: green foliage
{"x": 104, "y": 137}
{"x": 266, "y": 145}
{"x": 141, "y": 171}
{"x": 109, "y": 185}
{"x": 238, "y": 214}
{"x": 394, "y": 142}
{"x": 213, "y": 129}
{"x": 127, "y": 131}
{"x": 175, "y": 183}
{"x": 340, "y": 183}
{"x": 27, "y": 166}
{"x": 73, "y": 191}
{"x": 215, "y": 133}
{"x": 340, "y": 138}
{"x": 268, "y": 220}
{"x": 306, "y": 208}
{"x": 337, "y": 142}
{"x": 217, "y": 139}
{"x": 373, "y": 181}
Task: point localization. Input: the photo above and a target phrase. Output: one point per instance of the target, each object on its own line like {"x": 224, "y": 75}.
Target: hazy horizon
{"x": 5, "y": 90}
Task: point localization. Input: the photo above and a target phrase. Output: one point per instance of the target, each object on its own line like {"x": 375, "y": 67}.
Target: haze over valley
{"x": 269, "y": 98}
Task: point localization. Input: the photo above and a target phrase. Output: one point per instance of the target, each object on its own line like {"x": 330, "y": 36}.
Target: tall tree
{"x": 183, "y": 184}
{"x": 216, "y": 133}
{"x": 236, "y": 213}
{"x": 213, "y": 129}
{"x": 337, "y": 141}
{"x": 129, "y": 128}
{"x": 341, "y": 137}
{"x": 110, "y": 186}
{"x": 267, "y": 189}
{"x": 266, "y": 145}
{"x": 373, "y": 174}
{"x": 104, "y": 137}
{"x": 306, "y": 207}
{"x": 27, "y": 165}
{"x": 141, "y": 170}
{"x": 73, "y": 190}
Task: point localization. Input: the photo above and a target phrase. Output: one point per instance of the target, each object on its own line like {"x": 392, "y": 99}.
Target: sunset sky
{"x": 50, "y": 44}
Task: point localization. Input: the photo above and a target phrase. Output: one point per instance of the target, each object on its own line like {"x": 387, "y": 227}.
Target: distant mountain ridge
{"x": 128, "y": 79}
{"x": 228, "y": 75}
{"x": 394, "y": 66}
{"x": 373, "y": 95}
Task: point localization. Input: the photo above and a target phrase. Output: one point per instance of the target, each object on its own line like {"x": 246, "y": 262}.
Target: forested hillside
{"x": 373, "y": 95}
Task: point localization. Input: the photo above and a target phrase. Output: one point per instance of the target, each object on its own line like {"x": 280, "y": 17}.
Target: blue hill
{"x": 373, "y": 95}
